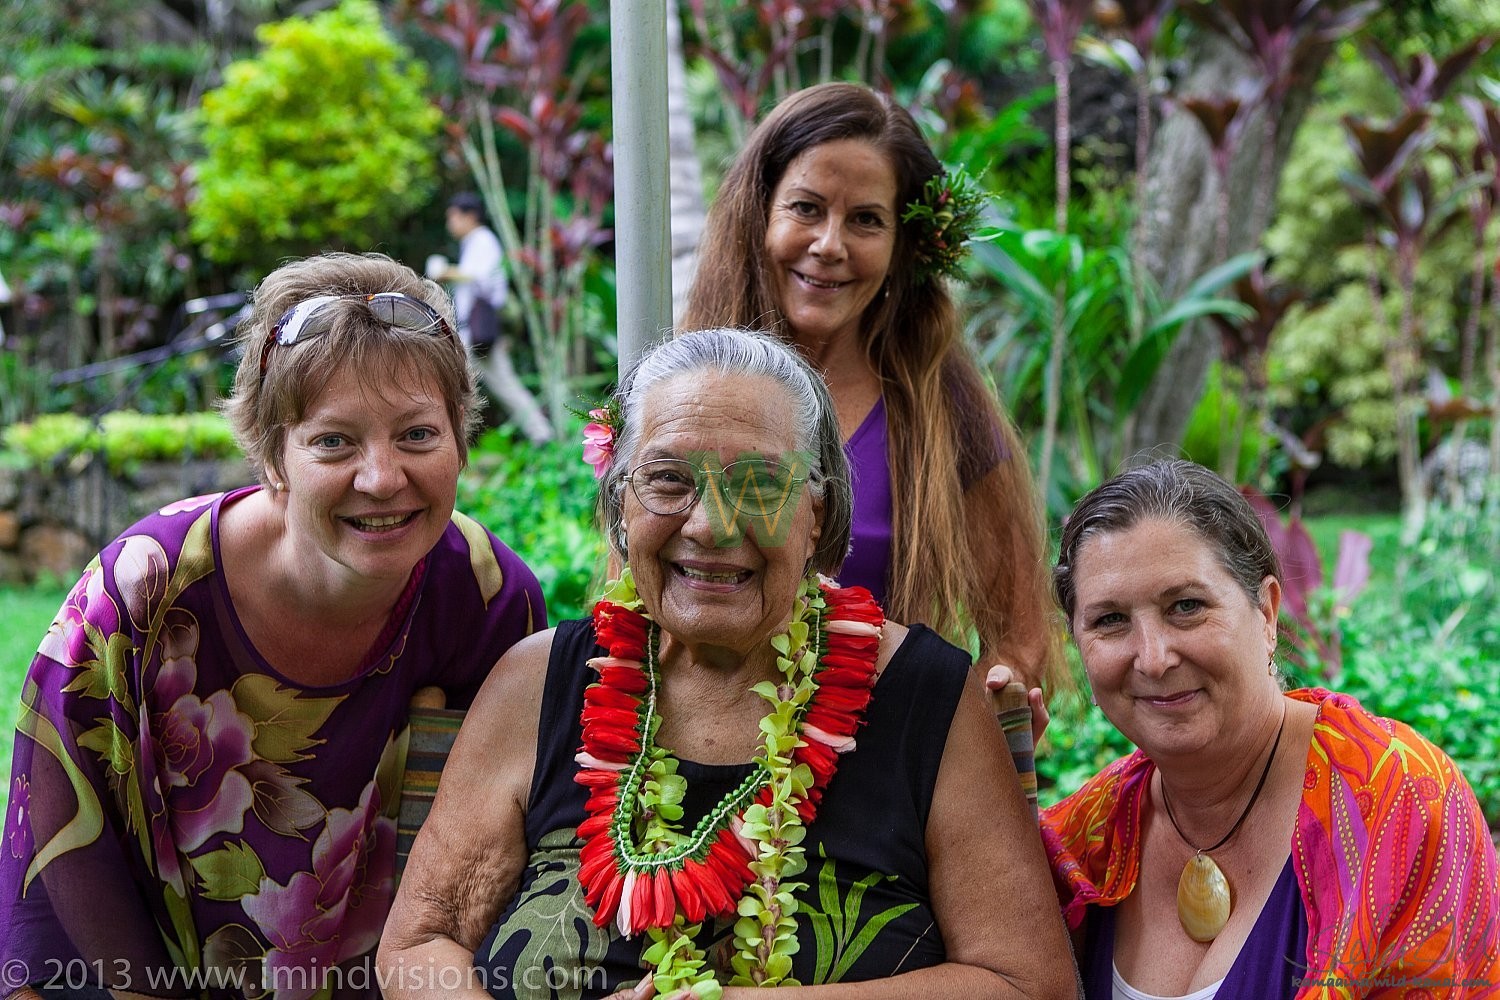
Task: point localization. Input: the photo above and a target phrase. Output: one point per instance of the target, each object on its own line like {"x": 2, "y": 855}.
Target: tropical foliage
{"x": 287, "y": 173}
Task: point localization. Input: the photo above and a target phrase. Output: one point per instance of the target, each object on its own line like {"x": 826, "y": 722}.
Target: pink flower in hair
{"x": 599, "y": 441}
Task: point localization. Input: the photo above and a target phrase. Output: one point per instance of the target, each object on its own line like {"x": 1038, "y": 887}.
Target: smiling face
{"x": 700, "y": 590}
{"x": 831, "y": 232}
{"x": 371, "y": 471}
{"x": 1175, "y": 650}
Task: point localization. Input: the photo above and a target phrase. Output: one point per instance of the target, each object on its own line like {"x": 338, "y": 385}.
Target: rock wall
{"x": 53, "y": 521}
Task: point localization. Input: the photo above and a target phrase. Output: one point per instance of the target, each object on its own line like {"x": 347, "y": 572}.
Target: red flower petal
{"x": 685, "y": 887}
{"x": 640, "y": 903}
{"x": 665, "y": 902}
{"x": 597, "y": 868}
{"x": 599, "y": 694}
{"x": 591, "y": 777}
{"x": 605, "y": 741}
{"x": 604, "y": 912}
{"x": 719, "y": 896}
{"x": 625, "y": 679}
{"x": 594, "y": 825}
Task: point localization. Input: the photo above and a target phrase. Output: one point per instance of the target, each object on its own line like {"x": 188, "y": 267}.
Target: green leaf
{"x": 88, "y": 822}
{"x": 182, "y": 941}
{"x": 391, "y": 771}
{"x": 111, "y": 744}
{"x": 1221, "y": 275}
{"x": 1190, "y": 309}
{"x": 107, "y": 676}
{"x": 482, "y": 559}
{"x": 284, "y": 721}
{"x": 232, "y": 871}
{"x": 866, "y": 935}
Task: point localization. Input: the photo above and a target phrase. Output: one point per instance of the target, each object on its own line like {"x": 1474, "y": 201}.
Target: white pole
{"x": 643, "y": 257}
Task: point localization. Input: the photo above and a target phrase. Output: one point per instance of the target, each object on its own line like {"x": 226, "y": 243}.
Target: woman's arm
{"x": 467, "y": 861}
{"x": 991, "y": 891}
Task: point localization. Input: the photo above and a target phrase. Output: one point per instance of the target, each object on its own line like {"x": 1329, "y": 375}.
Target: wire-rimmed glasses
{"x": 757, "y": 487}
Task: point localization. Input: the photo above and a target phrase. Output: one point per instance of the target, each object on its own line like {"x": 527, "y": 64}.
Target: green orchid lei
{"x": 765, "y": 931}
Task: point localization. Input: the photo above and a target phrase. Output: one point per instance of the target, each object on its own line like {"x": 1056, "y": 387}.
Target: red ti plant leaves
{"x": 1352, "y": 571}
{"x": 1486, "y": 156}
{"x": 1383, "y": 152}
{"x": 1140, "y": 19}
{"x": 1424, "y": 80}
{"x": 1223, "y": 120}
{"x": 1279, "y": 35}
{"x": 1315, "y": 616}
{"x": 1060, "y": 21}
{"x": 1301, "y": 568}
{"x": 1245, "y": 342}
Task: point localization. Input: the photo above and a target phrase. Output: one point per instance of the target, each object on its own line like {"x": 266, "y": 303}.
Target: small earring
{"x": 280, "y": 486}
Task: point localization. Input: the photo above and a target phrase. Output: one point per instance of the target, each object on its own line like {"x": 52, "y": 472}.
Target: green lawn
{"x": 26, "y": 614}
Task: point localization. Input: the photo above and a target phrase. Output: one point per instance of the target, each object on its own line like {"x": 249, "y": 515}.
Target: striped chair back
{"x": 432, "y": 734}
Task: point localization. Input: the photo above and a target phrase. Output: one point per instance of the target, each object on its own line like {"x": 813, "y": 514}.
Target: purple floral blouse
{"x": 185, "y": 821}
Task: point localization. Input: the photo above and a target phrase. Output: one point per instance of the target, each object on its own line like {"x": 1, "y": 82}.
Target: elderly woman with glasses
{"x": 737, "y": 774}
{"x": 213, "y": 732}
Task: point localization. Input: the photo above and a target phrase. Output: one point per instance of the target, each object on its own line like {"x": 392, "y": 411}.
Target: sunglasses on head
{"x": 312, "y": 317}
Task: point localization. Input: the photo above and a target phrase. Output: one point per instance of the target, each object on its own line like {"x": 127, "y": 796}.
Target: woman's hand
{"x": 1001, "y": 676}
{"x": 643, "y": 990}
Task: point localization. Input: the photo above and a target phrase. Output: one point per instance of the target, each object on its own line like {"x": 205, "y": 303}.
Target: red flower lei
{"x": 707, "y": 878}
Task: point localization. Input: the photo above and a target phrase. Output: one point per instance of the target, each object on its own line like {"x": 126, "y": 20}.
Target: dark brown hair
{"x": 1178, "y": 492}
{"x": 967, "y": 531}
{"x": 261, "y": 408}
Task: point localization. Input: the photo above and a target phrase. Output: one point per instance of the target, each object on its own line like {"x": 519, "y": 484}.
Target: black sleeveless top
{"x": 864, "y": 912}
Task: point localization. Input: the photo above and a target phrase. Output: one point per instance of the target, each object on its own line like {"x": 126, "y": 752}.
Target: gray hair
{"x": 752, "y": 353}
{"x": 1178, "y": 492}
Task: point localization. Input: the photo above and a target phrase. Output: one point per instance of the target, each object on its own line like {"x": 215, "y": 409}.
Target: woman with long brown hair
{"x": 808, "y": 238}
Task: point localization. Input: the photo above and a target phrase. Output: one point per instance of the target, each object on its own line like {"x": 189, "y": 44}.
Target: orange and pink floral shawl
{"x": 1394, "y": 861}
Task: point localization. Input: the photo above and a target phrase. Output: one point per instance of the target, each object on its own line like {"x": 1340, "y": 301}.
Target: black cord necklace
{"x": 1203, "y": 897}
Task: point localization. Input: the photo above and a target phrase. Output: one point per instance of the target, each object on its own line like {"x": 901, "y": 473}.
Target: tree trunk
{"x": 685, "y": 174}
{"x": 1180, "y": 210}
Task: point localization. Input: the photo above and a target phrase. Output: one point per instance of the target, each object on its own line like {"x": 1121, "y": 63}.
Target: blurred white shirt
{"x": 481, "y": 276}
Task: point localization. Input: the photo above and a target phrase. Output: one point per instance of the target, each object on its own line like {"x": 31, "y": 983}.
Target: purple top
{"x": 184, "y": 820}
{"x": 869, "y": 561}
{"x": 1269, "y": 964}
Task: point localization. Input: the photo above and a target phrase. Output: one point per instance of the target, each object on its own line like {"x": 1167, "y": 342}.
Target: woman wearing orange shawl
{"x": 1260, "y": 843}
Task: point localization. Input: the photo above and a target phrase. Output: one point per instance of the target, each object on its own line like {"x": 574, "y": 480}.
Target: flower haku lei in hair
{"x": 638, "y": 869}
{"x": 944, "y": 218}
{"x": 599, "y": 436}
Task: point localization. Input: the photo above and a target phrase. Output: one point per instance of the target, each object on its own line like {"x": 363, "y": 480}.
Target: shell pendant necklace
{"x": 1203, "y": 898}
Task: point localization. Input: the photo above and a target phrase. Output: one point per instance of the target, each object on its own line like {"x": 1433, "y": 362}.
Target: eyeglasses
{"x": 312, "y": 317}
{"x": 757, "y": 487}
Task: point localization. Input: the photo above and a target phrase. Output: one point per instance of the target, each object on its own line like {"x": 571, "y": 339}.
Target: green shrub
{"x": 124, "y": 437}
{"x": 325, "y": 139}
{"x": 1215, "y": 411}
{"x": 539, "y": 499}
